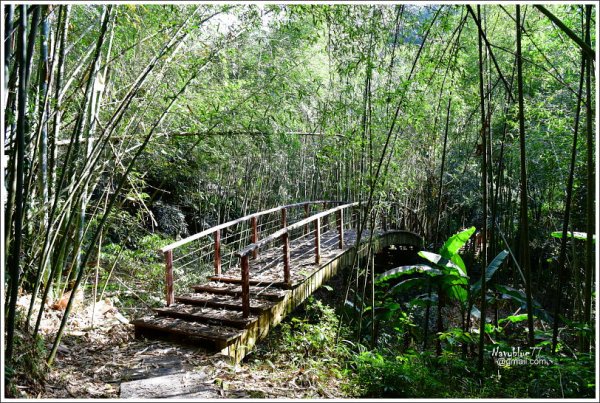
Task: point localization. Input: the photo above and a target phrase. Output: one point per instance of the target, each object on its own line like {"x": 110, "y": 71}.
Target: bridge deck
{"x": 212, "y": 313}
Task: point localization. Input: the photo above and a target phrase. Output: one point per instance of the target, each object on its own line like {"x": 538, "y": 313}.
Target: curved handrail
{"x": 283, "y": 235}
{"x": 211, "y": 230}
{"x": 215, "y": 231}
{"x": 250, "y": 248}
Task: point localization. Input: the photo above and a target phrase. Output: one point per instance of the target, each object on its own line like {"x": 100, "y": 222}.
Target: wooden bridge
{"x": 246, "y": 275}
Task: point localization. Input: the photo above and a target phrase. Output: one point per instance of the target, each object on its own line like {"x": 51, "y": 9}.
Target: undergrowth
{"x": 305, "y": 342}
{"x": 304, "y": 345}
{"x": 26, "y": 374}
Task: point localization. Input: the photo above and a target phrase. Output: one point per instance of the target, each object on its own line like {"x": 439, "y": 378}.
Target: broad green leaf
{"x": 404, "y": 270}
{"x": 519, "y": 296}
{"x": 511, "y": 293}
{"x": 455, "y": 242}
{"x": 459, "y": 262}
{"x": 491, "y": 269}
{"x": 456, "y": 288}
{"x": 571, "y": 234}
{"x": 441, "y": 261}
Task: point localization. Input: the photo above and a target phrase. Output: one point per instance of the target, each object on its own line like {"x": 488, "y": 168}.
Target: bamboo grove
{"x": 465, "y": 115}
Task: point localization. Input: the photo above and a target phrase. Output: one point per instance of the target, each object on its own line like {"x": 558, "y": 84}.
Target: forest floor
{"x": 105, "y": 361}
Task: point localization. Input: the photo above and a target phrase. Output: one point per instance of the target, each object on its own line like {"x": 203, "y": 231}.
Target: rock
{"x": 180, "y": 386}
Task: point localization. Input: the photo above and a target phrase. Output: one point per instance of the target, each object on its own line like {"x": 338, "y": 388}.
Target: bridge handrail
{"x": 168, "y": 251}
{"x": 284, "y": 235}
{"x": 278, "y": 234}
{"x": 251, "y": 250}
{"x": 212, "y": 230}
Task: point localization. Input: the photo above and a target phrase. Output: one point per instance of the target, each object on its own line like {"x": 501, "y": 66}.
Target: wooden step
{"x": 223, "y": 301}
{"x": 207, "y": 315}
{"x": 236, "y": 290}
{"x": 185, "y": 331}
{"x": 237, "y": 280}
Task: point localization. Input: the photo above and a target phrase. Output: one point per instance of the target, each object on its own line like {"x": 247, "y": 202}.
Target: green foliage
{"x": 405, "y": 270}
{"x": 28, "y": 368}
{"x": 489, "y": 272}
{"x": 513, "y": 318}
{"x": 380, "y": 374}
{"x": 457, "y": 337}
{"x": 143, "y": 267}
{"x": 573, "y": 234}
{"x": 518, "y": 296}
{"x": 308, "y": 339}
{"x": 451, "y": 247}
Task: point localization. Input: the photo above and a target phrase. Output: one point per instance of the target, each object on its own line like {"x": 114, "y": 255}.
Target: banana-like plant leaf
{"x": 456, "y": 288}
{"x": 571, "y": 234}
{"x": 459, "y": 262}
{"x": 443, "y": 262}
{"x": 511, "y": 293}
{"x": 404, "y": 270}
{"x": 455, "y": 242}
{"x": 491, "y": 269}
{"x": 519, "y": 296}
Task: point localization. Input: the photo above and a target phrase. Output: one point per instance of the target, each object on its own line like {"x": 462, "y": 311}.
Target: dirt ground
{"x": 95, "y": 362}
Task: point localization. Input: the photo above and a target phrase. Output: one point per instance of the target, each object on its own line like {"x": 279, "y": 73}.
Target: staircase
{"x": 210, "y": 315}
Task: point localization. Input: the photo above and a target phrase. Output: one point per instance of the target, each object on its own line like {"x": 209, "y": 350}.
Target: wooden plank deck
{"x": 211, "y": 314}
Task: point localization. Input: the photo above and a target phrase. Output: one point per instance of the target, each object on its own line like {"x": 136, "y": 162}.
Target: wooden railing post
{"x": 306, "y": 207}
{"x": 254, "y": 236}
{"x": 285, "y": 239}
{"x": 245, "y": 286}
{"x": 283, "y": 217}
{"x": 169, "y": 277}
{"x": 318, "y": 240}
{"x": 340, "y": 225}
{"x": 218, "y": 252}
{"x": 384, "y": 220}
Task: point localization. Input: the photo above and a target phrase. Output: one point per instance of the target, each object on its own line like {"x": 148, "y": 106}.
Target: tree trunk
{"x": 14, "y": 261}
{"x": 524, "y": 226}
{"x": 484, "y": 188}
{"x": 590, "y": 197}
{"x": 563, "y": 242}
